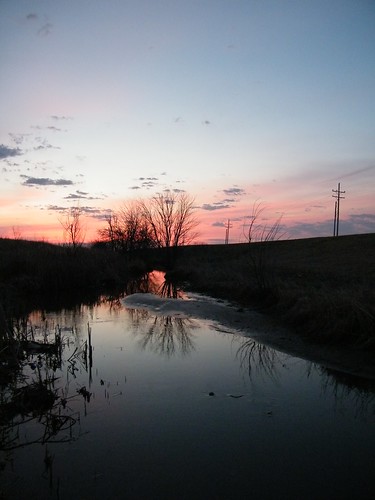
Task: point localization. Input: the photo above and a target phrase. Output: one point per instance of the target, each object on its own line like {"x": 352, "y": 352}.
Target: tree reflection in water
{"x": 258, "y": 358}
{"x": 166, "y": 335}
{"x": 343, "y": 387}
{"x": 265, "y": 361}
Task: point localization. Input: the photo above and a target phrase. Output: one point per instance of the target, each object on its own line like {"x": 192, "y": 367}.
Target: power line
{"x": 337, "y": 195}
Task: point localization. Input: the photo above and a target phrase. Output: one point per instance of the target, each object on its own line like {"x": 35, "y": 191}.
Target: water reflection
{"x": 343, "y": 387}
{"x": 121, "y": 402}
{"x": 258, "y": 359}
{"x": 168, "y": 336}
{"x": 35, "y": 394}
{"x": 159, "y": 285}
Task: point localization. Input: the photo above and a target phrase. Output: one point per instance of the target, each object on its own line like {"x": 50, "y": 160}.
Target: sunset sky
{"x": 232, "y": 101}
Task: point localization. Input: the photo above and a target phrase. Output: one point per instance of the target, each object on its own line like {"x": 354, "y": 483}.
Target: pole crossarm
{"x": 337, "y": 194}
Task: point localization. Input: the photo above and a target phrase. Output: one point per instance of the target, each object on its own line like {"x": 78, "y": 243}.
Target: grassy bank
{"x": 321, "y": 287}
{"x": 33, "y": 274}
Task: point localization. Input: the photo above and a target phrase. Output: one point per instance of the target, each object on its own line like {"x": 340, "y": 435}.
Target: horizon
{"x": 88, "y": 244}
{"x": 232, "y": 103}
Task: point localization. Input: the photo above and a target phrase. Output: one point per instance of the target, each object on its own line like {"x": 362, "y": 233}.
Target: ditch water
{"x": 152, "y": 406}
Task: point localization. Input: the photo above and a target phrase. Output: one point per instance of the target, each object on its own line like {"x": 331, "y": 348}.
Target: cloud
{"x": 102, "y": 214}
{"x": 95, "y": 213}
{"x": 45, "y": 30}
{"x": 362, "y": 223}
{"x": 50, "y": 127}
{"x": 55, "y": 208}
{"x": 149, "y": 184}
{"x": 6, "y": 152}
{"x": 146, "y": 182}
{"x": 353, "y": 224}
{"x": 45, "y": 181}
{"x": 92, "y": 211}
{"x": 44, "y": 144}
{"x": 219, "y": 224}
{"x": 57, "y": 117}
{"x": 56, "y": 129}
{"x": 31, "y": 16}
{"x": 215, "y": 206}
{"x": 18, "y": 138}
{"x": 234, "y": 191}
{"x": 81, "y": 195}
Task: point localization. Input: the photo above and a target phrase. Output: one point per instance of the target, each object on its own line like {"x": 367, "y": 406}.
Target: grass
{"x": 33, "y": 274}
{"x": 320, "y": 287}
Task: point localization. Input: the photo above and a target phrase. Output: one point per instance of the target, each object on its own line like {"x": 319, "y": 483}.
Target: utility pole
{"x": 227, "y": 232}
{"x": 337, "y": 194}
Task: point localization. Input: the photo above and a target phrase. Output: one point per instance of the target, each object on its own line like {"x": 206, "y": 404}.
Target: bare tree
{"x": 74, "y": 231}
{"x": 128, "y": 229}
{"x": 171, "y": 218}
{"x": 112, "y": 232}
{"x": 136, "y": 230}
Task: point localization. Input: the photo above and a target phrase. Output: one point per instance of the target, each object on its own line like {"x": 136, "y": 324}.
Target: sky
{"x": 234, "y": 102}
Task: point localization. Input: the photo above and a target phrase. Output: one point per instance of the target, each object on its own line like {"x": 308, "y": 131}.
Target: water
{"x": 185, "y": 408}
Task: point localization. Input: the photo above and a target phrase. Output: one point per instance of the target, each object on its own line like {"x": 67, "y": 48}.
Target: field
{"x": 320, "y": 287}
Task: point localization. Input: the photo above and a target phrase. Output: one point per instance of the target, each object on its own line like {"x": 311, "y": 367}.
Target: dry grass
{"x": 35, "y": 273}
{"x": 322, "y": 287}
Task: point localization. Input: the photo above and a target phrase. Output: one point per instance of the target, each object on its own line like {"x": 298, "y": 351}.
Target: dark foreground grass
{"x": 35, "y": 273}
{"x": 321, "y": 287}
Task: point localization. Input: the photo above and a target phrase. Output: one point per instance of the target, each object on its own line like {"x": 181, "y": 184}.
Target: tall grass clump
{"x": 344, "y": 316}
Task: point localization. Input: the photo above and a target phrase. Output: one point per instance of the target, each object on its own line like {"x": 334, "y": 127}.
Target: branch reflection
{"x": 258, "y": 358}
{"x": 164, "y": 335}
{"x": 344, "y": 387}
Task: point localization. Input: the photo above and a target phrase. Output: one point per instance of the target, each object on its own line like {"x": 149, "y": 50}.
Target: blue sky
{"x": 231, "y": 101}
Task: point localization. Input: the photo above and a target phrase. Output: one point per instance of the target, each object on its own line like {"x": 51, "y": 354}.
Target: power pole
{"x": 337, "y": 195}
{"x": 227, "y": 232}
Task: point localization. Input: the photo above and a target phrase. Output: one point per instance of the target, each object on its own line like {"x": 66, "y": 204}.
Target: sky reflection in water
{"x": 276, "y": 426}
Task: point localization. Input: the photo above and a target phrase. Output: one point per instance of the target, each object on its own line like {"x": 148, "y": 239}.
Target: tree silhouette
{"x": 171, "y": 218}
{"x": 74, "y": 231}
